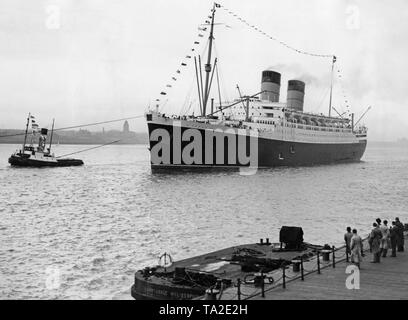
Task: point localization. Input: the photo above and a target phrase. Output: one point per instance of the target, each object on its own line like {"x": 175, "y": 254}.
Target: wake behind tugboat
{"x": 40, "y": 156}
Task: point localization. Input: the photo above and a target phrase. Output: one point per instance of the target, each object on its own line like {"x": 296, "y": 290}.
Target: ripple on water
{"x": 93, "y": 227}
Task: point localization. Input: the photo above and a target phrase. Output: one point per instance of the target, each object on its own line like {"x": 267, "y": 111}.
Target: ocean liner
{"x": 257, "y": 131}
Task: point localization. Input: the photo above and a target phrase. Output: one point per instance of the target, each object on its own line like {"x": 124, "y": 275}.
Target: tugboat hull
{"x": 28, "y": 162}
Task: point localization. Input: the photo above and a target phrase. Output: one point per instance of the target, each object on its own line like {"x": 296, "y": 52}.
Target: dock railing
{"x": 284, "y": 277}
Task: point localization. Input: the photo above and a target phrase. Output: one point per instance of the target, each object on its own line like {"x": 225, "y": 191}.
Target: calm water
{"x": 82, "y": 232}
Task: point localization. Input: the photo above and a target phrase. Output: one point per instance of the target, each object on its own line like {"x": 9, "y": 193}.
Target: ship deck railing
{"x": 234, "y": 124}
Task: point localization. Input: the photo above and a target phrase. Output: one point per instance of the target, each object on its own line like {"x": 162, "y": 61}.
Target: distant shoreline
{"x": 81, "y": 137}
{"x": 83, "y": 143}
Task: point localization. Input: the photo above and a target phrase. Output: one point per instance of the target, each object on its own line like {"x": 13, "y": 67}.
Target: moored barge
{"x": 193, "y": 278}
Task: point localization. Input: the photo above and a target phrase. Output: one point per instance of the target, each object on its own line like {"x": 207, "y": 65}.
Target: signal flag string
{"x": 201, "y": 31}
{"x": 230, "y": 12}
{"x": 343, "y": 91}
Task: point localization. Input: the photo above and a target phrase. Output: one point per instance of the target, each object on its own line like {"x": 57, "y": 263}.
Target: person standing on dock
{"x": 393, "y": 238}
{"x": 356, "y": 245}
{"x": 400, "y": 239}
{"x": 347, "y": 238}
{"x": 375, "y": 239}
{"x": 385, "y": 238}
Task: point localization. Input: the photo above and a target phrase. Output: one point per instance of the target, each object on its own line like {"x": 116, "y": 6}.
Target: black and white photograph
{"x": 203, "y": 155}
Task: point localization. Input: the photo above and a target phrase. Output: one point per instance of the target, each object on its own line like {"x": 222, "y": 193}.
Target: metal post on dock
{"x": 262, "y": 284}
{"x": 334, "y": 258}
{"x": 302, "y": 273}
{"x": 318, "y": 262}
{"x": 283, "y": 278}
{"x": 239, "y": 288}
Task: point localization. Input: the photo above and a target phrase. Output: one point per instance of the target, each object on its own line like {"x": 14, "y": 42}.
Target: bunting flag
{"x": 343, "y": 91}
{"x": 32, "y": 117}
{"x": 274, "y": 39}
{"x": 34, "y": 127}
{"x": 184, "y": 64}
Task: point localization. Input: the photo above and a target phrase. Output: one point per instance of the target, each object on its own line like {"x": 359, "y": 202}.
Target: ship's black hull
{"x": 271, "y": 153}
{"x": 33, "y": 163}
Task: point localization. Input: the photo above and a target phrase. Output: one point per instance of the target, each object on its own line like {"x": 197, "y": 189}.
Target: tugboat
{"x": 40, "y": 156}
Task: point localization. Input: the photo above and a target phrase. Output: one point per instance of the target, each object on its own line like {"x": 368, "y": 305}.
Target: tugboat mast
{"x": 208, "y": 64}
{"x": 52, "y": 132}
{"x": 26, "y": 131}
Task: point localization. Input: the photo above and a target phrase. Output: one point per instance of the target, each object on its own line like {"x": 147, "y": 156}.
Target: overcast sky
{"x": 84, "y": 61}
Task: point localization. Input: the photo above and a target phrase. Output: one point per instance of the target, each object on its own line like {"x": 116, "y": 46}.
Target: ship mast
{"x": 208, "y": 64}
{"x": 331, "y": 86}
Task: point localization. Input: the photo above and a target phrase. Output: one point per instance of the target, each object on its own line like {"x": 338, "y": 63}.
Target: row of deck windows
{"x": 265, "y": 122}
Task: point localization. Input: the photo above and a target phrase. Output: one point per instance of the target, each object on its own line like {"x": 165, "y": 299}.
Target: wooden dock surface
{"x": 382, "y": 281}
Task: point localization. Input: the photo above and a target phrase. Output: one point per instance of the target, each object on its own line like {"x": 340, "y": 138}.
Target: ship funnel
{"x": 271, "y": 85}
{"x": 296, "y": 94}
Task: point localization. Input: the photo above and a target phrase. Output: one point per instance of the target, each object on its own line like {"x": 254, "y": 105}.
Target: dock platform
{"x": 378, "y": 281}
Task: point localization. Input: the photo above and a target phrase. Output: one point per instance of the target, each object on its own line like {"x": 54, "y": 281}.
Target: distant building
{"x": 126, "y": 127}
